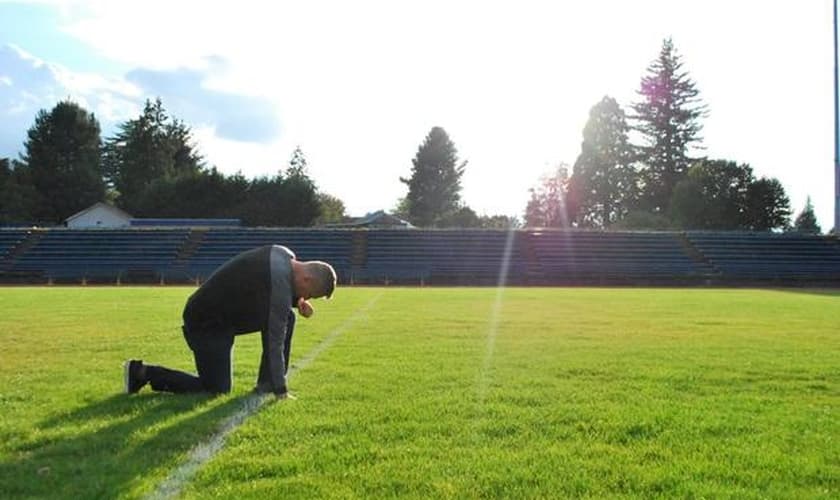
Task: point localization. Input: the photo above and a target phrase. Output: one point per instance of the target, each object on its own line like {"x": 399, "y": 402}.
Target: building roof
{"x": 100, "y": 204}
{"x": 374, "y": 219}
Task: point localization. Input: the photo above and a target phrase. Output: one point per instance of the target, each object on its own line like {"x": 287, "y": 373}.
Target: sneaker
{"x": 135, "y": 376}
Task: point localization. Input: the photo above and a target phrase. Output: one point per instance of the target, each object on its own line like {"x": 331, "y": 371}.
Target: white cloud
{"x": 34, "y": 84}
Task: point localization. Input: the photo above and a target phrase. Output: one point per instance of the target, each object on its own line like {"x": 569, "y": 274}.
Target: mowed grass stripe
{"x": 622, "y": 393}
{"x": 205, "y": 451}
{"x": 590, "y": 392}
{"x": 68, "y": 431}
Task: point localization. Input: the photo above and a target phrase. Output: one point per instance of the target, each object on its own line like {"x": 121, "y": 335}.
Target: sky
{"x": 358, "y": 85}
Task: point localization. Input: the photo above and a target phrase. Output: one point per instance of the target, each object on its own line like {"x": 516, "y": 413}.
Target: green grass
{"x": 577, "y": 393}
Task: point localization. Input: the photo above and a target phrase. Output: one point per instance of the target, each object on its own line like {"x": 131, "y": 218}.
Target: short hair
{"x": 323, "y": 278}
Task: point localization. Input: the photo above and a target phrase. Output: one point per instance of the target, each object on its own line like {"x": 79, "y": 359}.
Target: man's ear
{"x": 307, "y": 281}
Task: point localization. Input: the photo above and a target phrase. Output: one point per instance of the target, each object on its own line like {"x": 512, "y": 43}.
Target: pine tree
{"x": 806, "y": 221}
{"x": 668, "y": 118}
{"x": 298, "y": 164}
{"x": 19, "y": 201}
{"x": 150, "y": 147}
{"x": 603, "y": 173}
{"x": 299, "y": 203}
{"x": 63, "y": 157}
{"x": 434, "y": 188}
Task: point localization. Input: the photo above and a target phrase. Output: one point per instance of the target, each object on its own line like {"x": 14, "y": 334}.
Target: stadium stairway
{"x": 98, "y": 255}
{"x": 13, "y": 244}
{"x": 533, "y": 274}
{"x": 787, "y": 258}
{"x": 703, "y": 264}
{"x": 178, "y": 272}
{"x": 358, "y": 257}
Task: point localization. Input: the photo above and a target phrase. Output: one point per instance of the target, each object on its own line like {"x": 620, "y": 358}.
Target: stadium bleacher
{"x": 441, "y": 257}
{"x": 434, "y": 257}
{"x": 9, "y": 239}
{"x": 100, "y": 255}
{"x": 219, "y": 245}
{"x": 770, "y": 256}
{"x": 612, "y": 257}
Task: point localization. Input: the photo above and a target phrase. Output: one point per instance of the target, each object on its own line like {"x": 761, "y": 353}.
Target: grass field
{"x": 437, "y": 392}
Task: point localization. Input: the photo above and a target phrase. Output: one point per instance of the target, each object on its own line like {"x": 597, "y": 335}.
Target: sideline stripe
{"x": 203, "y": 452}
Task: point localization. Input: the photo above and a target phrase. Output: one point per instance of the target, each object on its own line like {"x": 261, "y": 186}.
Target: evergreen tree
{"x": 5, "y": 175}
{"x": 767, "y": 206}
{"x": 261, "y": 205}
{"x": 806, "y": 221}
{"x": 63, "y": 158}
{"x": 434, "y": 188}
{"x": 296, "y": 202}
{"x": 206, "y": 193}
{"x": 151, "y": 147}
{"x": 603, "y": 173}
{"x": 19, "y": 201}
{"x": 298, "y": 166}
{"x": 668, "y": 118}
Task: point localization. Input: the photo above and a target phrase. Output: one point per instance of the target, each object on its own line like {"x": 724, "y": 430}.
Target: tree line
{"x": 150, "y": 168}
{"x": 652, "y": 182}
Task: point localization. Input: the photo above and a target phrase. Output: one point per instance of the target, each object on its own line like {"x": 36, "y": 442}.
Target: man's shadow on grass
{"x": 113, "y": 445}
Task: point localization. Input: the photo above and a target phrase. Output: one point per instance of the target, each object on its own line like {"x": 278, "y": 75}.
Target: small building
{"x": 98, "y": 215}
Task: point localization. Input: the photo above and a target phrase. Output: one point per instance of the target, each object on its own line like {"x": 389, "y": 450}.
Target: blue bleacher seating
{"x": 577, "y": 255}
{"x": 219, "y": 245}
{"x": 9, "y": 239}
{"x": 770, "y": 256}
{"x": 409, "y": 256}
{"x": 441, "y": 256}
{"x": 101, "y": 254}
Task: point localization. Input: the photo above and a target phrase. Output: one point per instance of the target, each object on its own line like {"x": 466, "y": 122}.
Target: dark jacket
{"x": 241, "y": 297}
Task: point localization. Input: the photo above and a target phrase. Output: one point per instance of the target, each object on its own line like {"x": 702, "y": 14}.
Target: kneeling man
{"x": 254, "y": 291}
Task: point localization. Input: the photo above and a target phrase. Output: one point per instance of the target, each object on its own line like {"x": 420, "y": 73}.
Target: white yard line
{"x": 205, "y": 451}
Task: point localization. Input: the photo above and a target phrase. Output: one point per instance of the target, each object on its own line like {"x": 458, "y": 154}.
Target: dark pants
{"x": 212, "y": 354}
